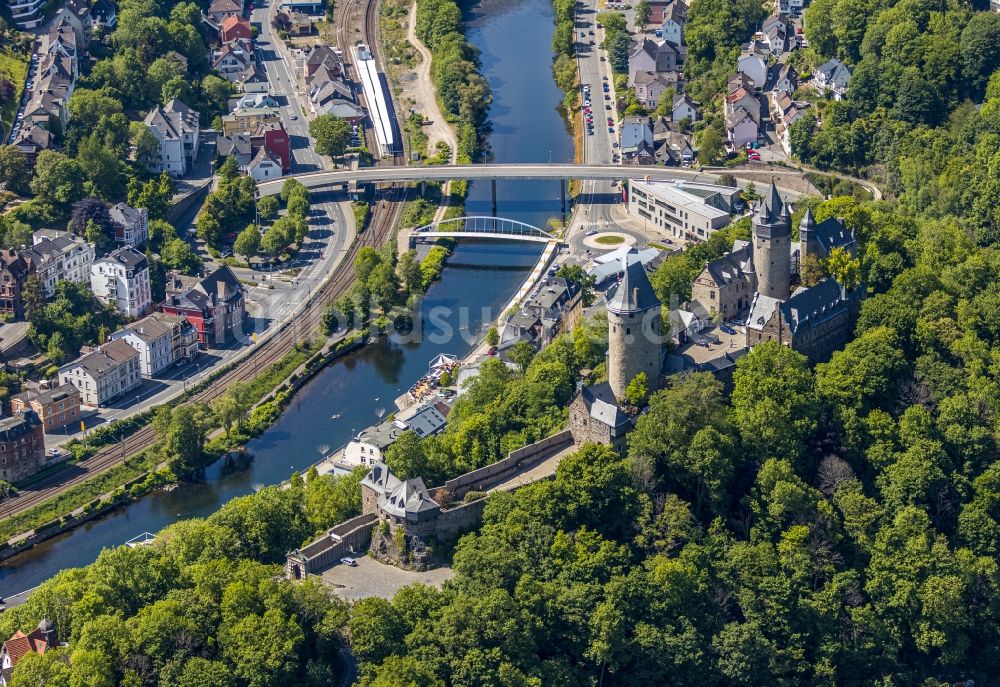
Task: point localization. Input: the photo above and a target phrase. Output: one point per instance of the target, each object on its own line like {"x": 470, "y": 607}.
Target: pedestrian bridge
{"x": 481, "y": 227}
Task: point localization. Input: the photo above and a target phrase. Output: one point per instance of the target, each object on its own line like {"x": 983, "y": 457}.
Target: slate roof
{"x": 126, "y": 215}
{"x": 409, "y": 500}
{"x": 731, "y": 267}
{"x": 173, "y": 119}
{"x": 47, "y": 396}
{"x": 772, "y": 209}
{"x": 602, "y": 406}
{"x": 830, "y": 233}
{"x": 427, "y": 421}
{"x": 127, "y": 256}
{"x": 836, "y": 73}
{"x": 634, "y": 293}
{"x": 104, "y": 358}
{"x": 154, "y": 326}
{"x": 761, "y": 311}
{"x": 17, "y": 426}
{"x": 201, "y": 294}
{"x": 815, "y": 304}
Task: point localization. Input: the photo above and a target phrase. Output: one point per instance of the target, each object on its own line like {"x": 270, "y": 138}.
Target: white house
{"x": 60, "y": 256}
{"x": 161, "y": 341}
{"x": 253, "y": 100}
{"x": 122, "y": 279}
{"x": 265, "y": 165}
{"x": 754, "y": 65}
{"x": 103, "y": 374}
{"x": 370, "y": 445}
{"x": 833, "y": 76}
{"x": 684, "y": 106}
{"x": 741, "y": 128}
{"x": 177, "y": 130}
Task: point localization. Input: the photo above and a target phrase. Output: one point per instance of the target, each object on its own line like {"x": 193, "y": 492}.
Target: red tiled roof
{"x": 20, "y": 644}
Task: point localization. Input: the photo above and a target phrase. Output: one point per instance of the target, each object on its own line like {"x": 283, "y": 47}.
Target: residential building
{"x": 685, "y": 211}
{"x": 220, "y": 10}
{"x": 214, "y": 305}
{"x": 33, "y": 139}
{"x": 778, "y": 34}
{"x": 741, "y": 128}
{"x": 684, "y": 107}
{"x": 237, "y": 146}
{"x": 177, "y": 130}
{"x": 636, "y": 141}
{"x": 299, "y": 24}
{"x": 785, "y": 112}
{"x": 671, "y": 20}
{"x": 248, "y": 119}
{"x": 104, "y": 14}
{"x": 253, "y": 80}
{"x": 234, "y": 27}
{"x": 246, "y": 145}
{"x": 103, "y": 374}
{"x": 22, "y": 447}
{"x": 233, "y": 58}
{"x": 60, "y": 256}
{"x": 322, "y": 57}
{"x": 650, "y": 87}
{"x": 77, "y": 14}
{"x": 14, "y": 271}
{"x": 785, "y": 78}
{"x": 754, "y": 65}
{"x": 131, "y": 224}
{"x": 40, "y": 640}
{"x": 254, "y": 100}
{"x": 264, "y": 165}
{"x": 56, "y": 407}
{"x": 161, "y": 340}
{"x": 648, "y": 56}
{"x": 371, "y": 444}
{"x": 726, "y": 285}
{"x": 833, "y": 76}
{"x": 26, "y": 13}
{"x": 554, "y": 307}
{"x": 121, "y": 279}
{"x": 673, "y": 149}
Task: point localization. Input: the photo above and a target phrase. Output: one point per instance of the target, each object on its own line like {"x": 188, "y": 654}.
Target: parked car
{"x": 611, "y": 129}
{"x": 347, "y": 560}
{"x": 727, "y": 329}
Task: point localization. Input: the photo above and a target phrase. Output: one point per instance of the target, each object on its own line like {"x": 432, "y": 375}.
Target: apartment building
{"x": 22, "y": 446}
{"x": 684, "y": 210}
{"x": 60, "y": 256}
{"x": 161, "y": 340}
{"x": 103, "y": 374}
{"x": 56, "y": 407}
{"x": 122, "y": 279}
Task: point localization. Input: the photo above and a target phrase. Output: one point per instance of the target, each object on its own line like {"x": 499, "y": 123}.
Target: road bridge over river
{"x": 599, "y": 172}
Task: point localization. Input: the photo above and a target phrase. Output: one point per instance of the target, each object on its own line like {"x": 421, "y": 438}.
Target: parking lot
{"x": 371, "y": 578}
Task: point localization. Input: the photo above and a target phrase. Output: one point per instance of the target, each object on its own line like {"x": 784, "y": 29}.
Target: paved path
{"x": 542, "y": 470}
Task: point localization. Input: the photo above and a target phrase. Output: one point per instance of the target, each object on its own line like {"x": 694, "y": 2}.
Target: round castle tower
{"x": 772, "y": 235}
{"x": 634, "y": 340}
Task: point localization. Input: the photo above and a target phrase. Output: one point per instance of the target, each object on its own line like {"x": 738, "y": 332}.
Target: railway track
{"x": 385, "y": 215}
{"x": 269, "y": 352}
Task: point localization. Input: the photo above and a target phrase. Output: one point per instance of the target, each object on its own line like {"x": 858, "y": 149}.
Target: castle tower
{"x": 772, "y": 232}
{"x": 807, "y": 238}
{"x": 634, "y": 343}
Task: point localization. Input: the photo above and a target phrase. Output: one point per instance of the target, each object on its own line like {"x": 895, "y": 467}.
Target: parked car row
{"x": 25, "y": 96}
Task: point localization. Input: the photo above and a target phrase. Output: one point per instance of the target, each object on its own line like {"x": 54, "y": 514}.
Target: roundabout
{"x": 608, "y": 240}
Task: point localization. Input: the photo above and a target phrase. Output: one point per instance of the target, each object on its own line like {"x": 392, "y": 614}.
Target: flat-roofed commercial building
{"x": 685, "y": 211}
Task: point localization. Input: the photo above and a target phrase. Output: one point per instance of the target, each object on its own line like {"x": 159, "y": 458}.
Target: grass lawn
{"x": 14, "y": 68}
{"x": 609, "y": 240}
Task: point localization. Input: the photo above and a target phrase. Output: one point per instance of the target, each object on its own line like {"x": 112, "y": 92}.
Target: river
{"x": 526, "y": 126}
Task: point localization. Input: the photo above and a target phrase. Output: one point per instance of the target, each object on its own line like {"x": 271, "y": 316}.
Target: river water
{"x": 479, "y": 279}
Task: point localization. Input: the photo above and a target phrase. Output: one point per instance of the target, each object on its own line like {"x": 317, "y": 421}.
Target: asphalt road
{"x": 281, "y": 76}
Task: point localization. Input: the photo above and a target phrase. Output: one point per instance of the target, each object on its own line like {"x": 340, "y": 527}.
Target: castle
{"x": 635, "y": 345}
{"x": 816, "y": 320}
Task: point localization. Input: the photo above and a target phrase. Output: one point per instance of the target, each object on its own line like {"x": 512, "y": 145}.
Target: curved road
{"x": 604, "y": 172}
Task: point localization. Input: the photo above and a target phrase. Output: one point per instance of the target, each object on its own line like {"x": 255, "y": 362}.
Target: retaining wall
{"x": 522, "y": 458}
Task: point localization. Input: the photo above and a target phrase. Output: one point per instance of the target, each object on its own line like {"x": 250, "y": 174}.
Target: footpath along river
{"x": 477, "y": 281}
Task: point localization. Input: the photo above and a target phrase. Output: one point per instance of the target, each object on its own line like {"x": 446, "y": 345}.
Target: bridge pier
{"x": 562, "y": 198}
{"x": 493, "y": 190}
